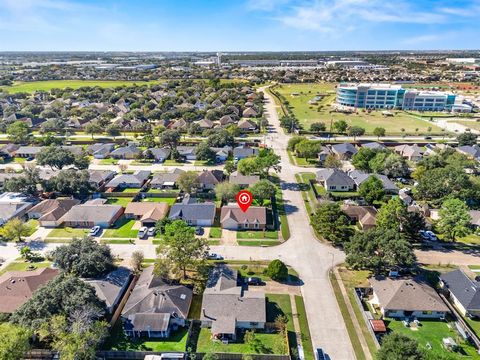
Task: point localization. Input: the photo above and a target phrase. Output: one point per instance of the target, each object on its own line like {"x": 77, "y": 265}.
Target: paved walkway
{"x": 229, "y": 237}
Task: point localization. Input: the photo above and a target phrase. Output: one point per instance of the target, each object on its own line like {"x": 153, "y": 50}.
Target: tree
{"x": 293, "y": 141}
{"x": 55, "y": 157}
{"x": 18, "y": 132}
{"x": 205, "y": 153}
{"x": 379, "y": 250}
{"x": 136, "y": 261}
{"x": 454, "y": 219}
{"x": 332, "y": 223}
{"x": 467, "y": 138}
{"x": 210, "y": 356}
{"x": 84, "y": 257}
{"x": 356, "y": 131}
{"x": 181, "y": 249}
{"x": 379, "y": 131}
{"x": 229, "y": 167}
{"x": 332, "y": 162}
{"x": 371, "y": 190}
{"x": 308, "y": 149}
{"x": 263, "y": 190}
{"x": 55, "y": 125}
{"x": 92, "y": 129}
{"x": 14, "y": 229}
{"x": 277, "y": 270}
{"x": 26, "y": 184}
{"x": 361, "y": 160}
{"x": 395, "y": 166}
{"x": 15, "y": 341}
{"x": 52, "y": 299}
{"x": 396, "y": 346}
{"x": 289, "y": 123}
{"x": 113, "y": 130}
{"x": 188, "y": 182}
{"x": 148, "y": 141}
{"x": 318, "y": 127}
{"x": 340, "y": 126}
{"x": 81, "y": 161}
{"x": 220, "y": 138}
{"x": 71, "y": 182}
{"x": 74, "y": 339}
{"x": 170, "y": 138}
{"x": 226, "y": 191}
{"x": 260, "y": 164}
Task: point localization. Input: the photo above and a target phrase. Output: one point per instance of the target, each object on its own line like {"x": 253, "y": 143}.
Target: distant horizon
{"x": 256, "y": 25}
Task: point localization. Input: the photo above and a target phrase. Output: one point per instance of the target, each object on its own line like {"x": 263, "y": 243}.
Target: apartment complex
{"x": 388, "y": 96}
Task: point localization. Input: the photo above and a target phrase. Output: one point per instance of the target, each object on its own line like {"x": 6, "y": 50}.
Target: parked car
{"x": 320, "y": 355}
{"x": 255, "y": 281}
{"x": 213, "y": 256}
{"x": 94, "y": 231}
{"x": 151, "y": 231}
{"x": 431, "y": 235}
{"x": 199, "y": 230}
{"x": 142, "y": 232}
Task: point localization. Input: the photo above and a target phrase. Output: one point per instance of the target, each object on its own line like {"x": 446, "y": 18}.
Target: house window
{"x": 255, "y": 226}
{"x": 254, "y": 324}
{"x": 245, "y": 225}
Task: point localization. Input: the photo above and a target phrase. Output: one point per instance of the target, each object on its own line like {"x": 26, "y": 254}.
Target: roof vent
{"x": 183, "y": 296}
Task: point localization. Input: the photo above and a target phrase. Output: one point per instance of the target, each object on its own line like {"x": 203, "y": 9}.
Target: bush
{"x": 277, "y": 270}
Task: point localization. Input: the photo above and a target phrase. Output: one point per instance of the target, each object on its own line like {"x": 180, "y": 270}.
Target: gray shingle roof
{"x": 335, "y": 177}
{"x": 463, "y": 288}
{"x": 192, "y": 212}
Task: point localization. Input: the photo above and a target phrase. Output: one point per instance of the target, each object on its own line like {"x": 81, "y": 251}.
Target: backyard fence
{"x": 367, "y": 315}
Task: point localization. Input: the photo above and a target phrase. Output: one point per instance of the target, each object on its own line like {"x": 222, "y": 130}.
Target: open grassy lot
{"x": 67, "y": 232}
{"x": 21, "y": 265}
{"x": 474, "y": 125}
{"x": 122, "y": 201}
{"x": 121, "y": 229}
{"x": 320, "y": 112}
{"x": 33, "y": 86}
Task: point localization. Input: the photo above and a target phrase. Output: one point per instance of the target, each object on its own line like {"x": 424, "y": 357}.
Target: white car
{"x": 213, "y": 256}
{"x": 431, "y": 235}
{"x": 151, "y": 231}
{"x": 94, "y": 231}
{"x": 142, "y": 232}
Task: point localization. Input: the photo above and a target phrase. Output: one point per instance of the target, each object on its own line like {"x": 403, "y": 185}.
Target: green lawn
{"x": 247, "y": 235}
{"x": 258, "y": 242}
{"x": 122, "y": 201}
{"x": 215, "y": 233}
{"x": 304, "y": 329}
{"x": 169, "y": 201}
{"x": 108, "y": 161}
{"x": 474, "y": 125}
{"x": 172, "y": 163}
{"x": 24, "y": 266}
{"x": 472, "y": 239}
{"x": 279, "y": 304}
{"x": 33, "y": 225}
{"x": 308, "y": 114}
{"x": 130, "y": 190}
{"x": 121, "y": 229}
{"x": 67, "y": 232}
{"x": 432, "y": 332}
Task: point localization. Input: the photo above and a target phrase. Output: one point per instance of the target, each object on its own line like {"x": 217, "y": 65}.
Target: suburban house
{"x": 242, "y": 152}
{"x": 148, "y": 213}
{"x": 135, "y": 180}
{"x": 388, "y": 185}
{"x": 155, "y": 308}
{"x": 8, "y": 150}
{"x": 472, "y": 152}
{"x": 100, "y": 150}
{"x": 165, "y": 180}
{"x": 98, "y": 178}
{"x": 112, "y": 287}
{"x": 28, "y": 151}
{"x": 125, "y": 152}
{"x": 243, "y": 181}
{"x": 50, "y": 212}
{"x": 401, "y": 298}
{"x": 374, "y": 146}
{"x": 463, "y": 292}
{"x": 475, "y": 218}
{"x": 209, "y": 178}
{"x": 249, "y": 112}
{"x": 187, "y": 152}
{"x": 365, "y": 216}
{"x": 335, "y": 180}
{"x": 16, "y": 287}
{"x": 92, "y": 214}
{"x": 323, "y": 153}
{"x": 159, "y": 154}
{"x": 226, "y": 307}
{"x": 8, "y": 176}
{"x": 247, "y": 125}
{"x": 221, "y": 154}
{"x": 13, "y": 205}
{"x": 410, "y": 152}
{"x": 193, "y": 212}
{"x": 344, "y": 151}
{"x": 233, "y": 218}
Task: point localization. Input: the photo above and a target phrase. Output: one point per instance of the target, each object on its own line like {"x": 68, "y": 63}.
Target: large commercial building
{"x": 388, "y": 96}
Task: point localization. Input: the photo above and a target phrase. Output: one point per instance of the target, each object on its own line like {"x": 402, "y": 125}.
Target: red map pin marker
{"x": 244, "y": 199}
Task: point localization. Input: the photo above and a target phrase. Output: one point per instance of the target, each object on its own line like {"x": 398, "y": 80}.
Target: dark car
{"x": 254, "y": 281}
{"x": 199, "y": 230}
{"x": 320, "y": 354}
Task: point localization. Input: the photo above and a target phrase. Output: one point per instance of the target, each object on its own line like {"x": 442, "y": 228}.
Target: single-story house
{"x": 125, "y": 152}
{"x": 344, "y": 151}
{"x": 8, "y": 150}
{"x": 209, "y": 178}
{"x": 221, "y": 154}
{"x": 242, "y": 152}
{"x": 155, "y": 308}
{"x": 166, "y": 180}
{"x": 193, "y": 212}
{"x": 410, "y": 152}
{"x": 8, "y": 176}
{"x": 148, "y": 213}
{"x": 111, "y": 287}
{"x": 13, "y": 205}
{"x": 16, "y": 287}
{"x": 366, "y": 216}
{"x": 234, "y": 218}
{"x": 135, "y": 180}
{"x": 401, "y": 298}
{"x": 98, "y": 178}
{"x": 475, "y": 218}
{"x": 247, "y": 125}
{"x": 473, "y": 152}
{"x": 187, "y": 152}
{"x": 92, "y": 214}
{"x": 226, "y": 307}
{"x": 359, "y": 177}
{"x": 335, "y": 180}
{"x": 249, "y": 112}
{"x": 323, "y": 153}
{"x": 100, "y": 150}
{"x": 160, "y": 154}
{"x": 243, "y": 181}
{"x": 374, "y": 146}
{"x": 28, "y": 151}
{"x": 50, "y": 212}
{"x": 205, "y": 124}
{"x": 463, "y": 292}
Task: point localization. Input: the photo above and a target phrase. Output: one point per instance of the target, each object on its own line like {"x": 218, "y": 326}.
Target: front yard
{"x": 121, "y": 229}
{"x": 257, "y": 235}
{"x": 67, "y": 232}
{"x": 22, "y": 265}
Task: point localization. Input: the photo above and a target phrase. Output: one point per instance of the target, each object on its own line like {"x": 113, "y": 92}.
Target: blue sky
{"x": 236, "y": 25}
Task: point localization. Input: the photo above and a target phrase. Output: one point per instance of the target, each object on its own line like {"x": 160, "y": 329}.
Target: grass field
{"x": 23, "y": 266}
{"x": 474, "y": 125}
{"x": 320, "y": 112}
{"x": 33, "y": 86}
{"x": 67, "y": 232}
{"x": 168, "y": 200}
{"x": 123, "y": 201}
{"x": 245, "y": 235}
{"x": 122, "y": 229}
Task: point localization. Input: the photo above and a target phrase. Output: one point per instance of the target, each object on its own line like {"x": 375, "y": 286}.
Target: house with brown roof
{"x": 233, "y": 218}
{"x": 50, "y": 212}
{"x": 247, "y": 125}
{"x": 365, "y": 216}
{"x": 209, "y": 178}
{"x": 148, "y": 213}
{"x": 409, "y": 297}
{"x": 243, "y": 181}
{"x": 249, "y": 112}
{"x": 16, "y": 287}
